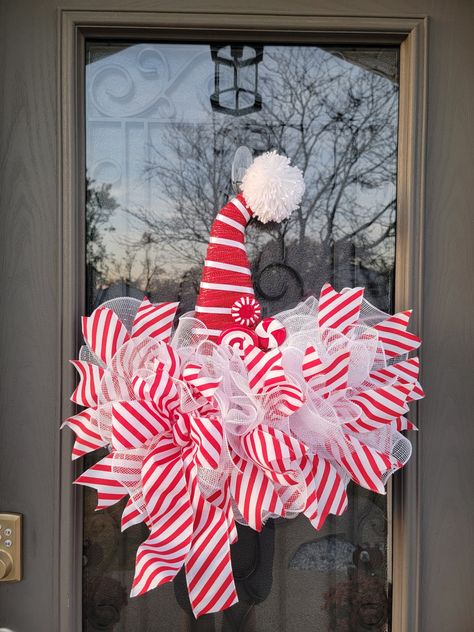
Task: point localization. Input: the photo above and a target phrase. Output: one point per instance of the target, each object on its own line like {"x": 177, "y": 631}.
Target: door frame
{"x": 411, "y": 34}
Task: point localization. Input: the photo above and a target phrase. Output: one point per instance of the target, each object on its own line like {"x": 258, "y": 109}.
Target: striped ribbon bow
{"x": 198, "y": 435}
{"x": 134, "y": 394}
{"x": 355, "y": 399}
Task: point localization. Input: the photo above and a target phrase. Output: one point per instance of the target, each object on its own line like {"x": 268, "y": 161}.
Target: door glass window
{"x": 163, "y": 123}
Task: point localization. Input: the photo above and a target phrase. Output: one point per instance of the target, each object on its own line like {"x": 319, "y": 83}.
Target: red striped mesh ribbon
{"x": 201, "y": 436}
{"x": 226, "y": 273}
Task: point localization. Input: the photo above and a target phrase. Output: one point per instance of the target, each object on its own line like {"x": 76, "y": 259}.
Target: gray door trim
{"x": 411, "y": 34}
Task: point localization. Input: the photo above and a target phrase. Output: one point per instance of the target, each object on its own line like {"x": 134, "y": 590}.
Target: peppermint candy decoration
{"x": 238, "y": 338}
{"x": 246, "y": 311}
{"x": 271, "y": 333}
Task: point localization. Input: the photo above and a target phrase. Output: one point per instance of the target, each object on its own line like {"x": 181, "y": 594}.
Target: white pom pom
{"x": 272, "y": 187}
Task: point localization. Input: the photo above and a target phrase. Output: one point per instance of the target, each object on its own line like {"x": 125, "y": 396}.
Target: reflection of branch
{"x": 389, "y": 232}
{"x": 336, "y": 121}
{"x": 372, "y": 220}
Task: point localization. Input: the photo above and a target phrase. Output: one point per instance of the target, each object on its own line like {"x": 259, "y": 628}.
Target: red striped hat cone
{"x": 271, "y": 190}
{"x": 226, "y": 274}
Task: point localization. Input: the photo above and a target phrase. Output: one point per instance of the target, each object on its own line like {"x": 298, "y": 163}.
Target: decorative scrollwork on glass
{"x": 132, "y": 88}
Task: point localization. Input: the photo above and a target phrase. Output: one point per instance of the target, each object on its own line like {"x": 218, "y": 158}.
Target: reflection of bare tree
{"x": 339, "y": 126}
{"x": 139, "y": 264}
{"x": 100, "y": 206}
{"x": 192, "y": 169}
{"x": 338, "y": 123}
{"x": 334, "y": 120}
{"x": 151, "y": 268}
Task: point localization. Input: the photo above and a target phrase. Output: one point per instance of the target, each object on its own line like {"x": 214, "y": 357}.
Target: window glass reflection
{"x": 163, "y": 123}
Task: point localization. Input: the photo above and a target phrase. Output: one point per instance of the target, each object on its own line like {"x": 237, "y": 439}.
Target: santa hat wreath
{"x": 229, "y": 417}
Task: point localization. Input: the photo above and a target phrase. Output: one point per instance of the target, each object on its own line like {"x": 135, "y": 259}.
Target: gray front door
{"x": 60, "y": 156}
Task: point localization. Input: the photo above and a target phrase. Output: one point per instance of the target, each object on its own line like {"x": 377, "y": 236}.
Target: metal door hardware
{"x": 10, "y": 547}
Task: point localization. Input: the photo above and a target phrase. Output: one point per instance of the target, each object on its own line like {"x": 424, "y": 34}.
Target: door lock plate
{"x": 10, "y": 547}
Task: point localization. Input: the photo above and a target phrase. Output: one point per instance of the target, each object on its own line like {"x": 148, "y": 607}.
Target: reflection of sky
{"x": 131, "y": 96}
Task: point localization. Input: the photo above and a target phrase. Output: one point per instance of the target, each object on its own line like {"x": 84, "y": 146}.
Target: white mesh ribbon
{"x": 201, "y": 434}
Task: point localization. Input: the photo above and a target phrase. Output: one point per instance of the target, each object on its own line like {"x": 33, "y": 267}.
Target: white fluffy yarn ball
{"x": 272, "y": 187}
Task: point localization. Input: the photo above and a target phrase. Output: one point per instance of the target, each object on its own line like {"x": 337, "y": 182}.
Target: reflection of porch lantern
{"x": 236, "y": 79}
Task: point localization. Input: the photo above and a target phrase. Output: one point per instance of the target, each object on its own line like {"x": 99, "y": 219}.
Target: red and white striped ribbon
{"x": 136, "y": 422}
{"x": 254, "y": 493}
{"x": 85, "y": 427}
{"x": 365, "y": 465}
{"x": 168, "y": 360}
{"x": 222, "y": 498}
{"x": 209, "y": 574}
{"x": 395, "y": 338}
{"x": 154, "y": 320}
{"x": 169, "y": 510}
{"x": 208, "y": 564}
{"x": 339, "y": 310}
{"x": 312, "y": 363}
{"x": 282, "y": 400}
{"x": 206, "y": 386}
{"x": 205, "y": 433}
{"x": 274, "y": 451}
{"x": 406, "y": 371}
{"x": 266, "y": 376}
{"x": 131, "y": 515}
{"x": 264, "y": 369}
{"x": 326, "y": 379}
{"x": 158, "y": 388}
{"x": 101, "y": 477}
{"x": 326, "y": 491}
{"x": 114, "y": 387}
{"x": 104, "y": 333}
{"x": 379, "y": 407}
{"x": 90, "y": 375}
{"x": 402, "y": 423}
{"x": 127, "y": 466}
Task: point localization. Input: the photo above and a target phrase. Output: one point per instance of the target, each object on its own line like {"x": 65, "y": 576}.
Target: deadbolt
{"x": 10, "y": 547}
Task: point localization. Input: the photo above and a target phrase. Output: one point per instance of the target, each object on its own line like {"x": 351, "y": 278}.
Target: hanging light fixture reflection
{"x": 236, "y": 79}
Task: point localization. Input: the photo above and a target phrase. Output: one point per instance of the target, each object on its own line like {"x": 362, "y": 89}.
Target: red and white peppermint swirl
{"x": 271, "y": 333}
{"x": 238, "y": 338}
{"x": 246, "y": 311}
